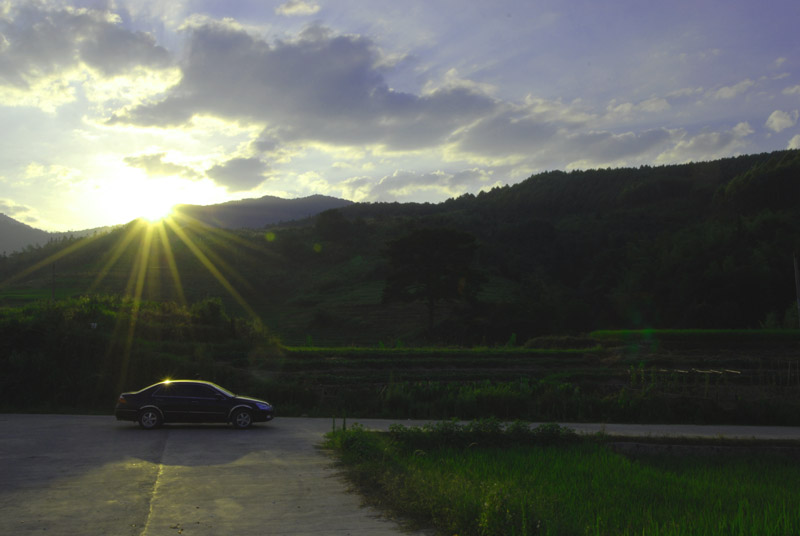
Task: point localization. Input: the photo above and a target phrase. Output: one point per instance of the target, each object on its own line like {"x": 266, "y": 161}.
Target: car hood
{"x": 253, "y": 400}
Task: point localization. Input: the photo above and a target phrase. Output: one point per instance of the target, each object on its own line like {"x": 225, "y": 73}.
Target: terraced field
{"x": 744, "y": 381}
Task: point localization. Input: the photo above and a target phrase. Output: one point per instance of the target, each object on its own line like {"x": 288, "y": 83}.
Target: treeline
{"x": 702, "y": 245}
{"x": 78, "y": 354}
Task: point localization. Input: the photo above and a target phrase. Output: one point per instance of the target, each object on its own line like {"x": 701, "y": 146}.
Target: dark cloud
{"x": 9, "y": 208}
{"x": 517, "y": 132}
{"x": 154, "y": 164}
{"x": 37, "y": 41}
{"x": 239, "y": 174}
{"x": 508, "y": 133}
{"x": 320, "y": 87}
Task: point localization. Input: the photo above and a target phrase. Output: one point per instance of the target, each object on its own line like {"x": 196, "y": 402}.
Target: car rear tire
{"x": 149, "y": 419}
{"x": 242, "y": 419}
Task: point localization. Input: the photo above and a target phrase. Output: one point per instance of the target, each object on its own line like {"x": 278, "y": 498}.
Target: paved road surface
{"x": 92, "y": 475}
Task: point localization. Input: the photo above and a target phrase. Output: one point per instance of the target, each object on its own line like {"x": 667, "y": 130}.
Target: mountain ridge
{"x": 252, "y": 213}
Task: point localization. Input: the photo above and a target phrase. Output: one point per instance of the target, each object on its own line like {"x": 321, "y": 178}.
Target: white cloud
{"x": 155, "y": 165}
{"x": 779, "y": 120}
{"x": 297, "y": 8}
{"x": 729, "y": 92}
{"x": 651, "y": 105}
{"x": 794, "y": 90}
{"x": 794, "y": 143}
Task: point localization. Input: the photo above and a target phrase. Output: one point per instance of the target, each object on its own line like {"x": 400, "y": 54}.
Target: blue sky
{"x": 117, "y": 109}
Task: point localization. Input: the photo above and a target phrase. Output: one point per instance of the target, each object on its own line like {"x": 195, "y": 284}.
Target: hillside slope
{"x": 705, "y": 245}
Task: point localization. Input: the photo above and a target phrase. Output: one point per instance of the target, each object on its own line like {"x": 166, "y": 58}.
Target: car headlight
{"x": 262, "y": 405}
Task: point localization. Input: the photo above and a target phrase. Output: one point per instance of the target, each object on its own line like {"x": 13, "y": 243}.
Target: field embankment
{"x": 78, "y": 354}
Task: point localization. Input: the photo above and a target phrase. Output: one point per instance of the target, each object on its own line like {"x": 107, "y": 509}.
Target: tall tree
{"x": 431, "y": 265}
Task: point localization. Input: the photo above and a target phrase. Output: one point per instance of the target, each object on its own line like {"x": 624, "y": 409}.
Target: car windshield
{"x": 146, "y": 388}
{"x": 222, "y": 389}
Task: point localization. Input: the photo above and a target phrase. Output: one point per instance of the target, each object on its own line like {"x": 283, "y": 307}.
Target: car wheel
{"x": 149, "y": 419}
{"x": 242, "y": 419}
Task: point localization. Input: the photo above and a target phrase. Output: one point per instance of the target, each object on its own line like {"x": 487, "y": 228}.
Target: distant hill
{"x": 257, "y": 213}
{"x": 15, "y": 235}
{"x": 243, "y": 214}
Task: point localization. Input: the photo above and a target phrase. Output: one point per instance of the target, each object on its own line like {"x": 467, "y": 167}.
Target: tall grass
{"x": 532, "y": 486}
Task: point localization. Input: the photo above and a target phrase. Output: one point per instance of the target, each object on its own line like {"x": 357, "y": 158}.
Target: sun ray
{"x": 138, "y": 274}
{"x": 116, "y": 252}
{"x": 213, "y": 270}
{"x": 173, "y": 267}
{"x": 221, "y": 264}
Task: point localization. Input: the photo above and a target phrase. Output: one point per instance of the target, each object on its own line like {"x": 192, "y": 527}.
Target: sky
{"x": 116, "y": 109}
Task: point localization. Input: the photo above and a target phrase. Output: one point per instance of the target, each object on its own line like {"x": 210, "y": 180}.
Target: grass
{"x": 481, "y": 479}
{"x": 697, "y": 335}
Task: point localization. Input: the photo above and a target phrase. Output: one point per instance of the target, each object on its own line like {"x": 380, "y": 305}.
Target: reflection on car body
{"x": 190, "y": 401}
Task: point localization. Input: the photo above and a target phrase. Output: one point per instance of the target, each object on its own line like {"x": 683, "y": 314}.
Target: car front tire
{"x": 149, "y": 419}
{"x": 242, "y": 419}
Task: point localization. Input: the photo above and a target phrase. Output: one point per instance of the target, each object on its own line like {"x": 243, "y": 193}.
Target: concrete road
{"x": 93, "y": 475}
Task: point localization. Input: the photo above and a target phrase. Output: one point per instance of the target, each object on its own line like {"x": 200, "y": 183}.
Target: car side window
{"x": 173, "y": 389}
{"x": 200, "y": 391}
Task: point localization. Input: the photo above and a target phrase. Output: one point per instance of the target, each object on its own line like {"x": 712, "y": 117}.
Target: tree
{"x": 431, "y": 265}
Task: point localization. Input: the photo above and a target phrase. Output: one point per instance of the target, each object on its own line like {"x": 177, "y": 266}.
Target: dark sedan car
{"x": 190, "y": 401}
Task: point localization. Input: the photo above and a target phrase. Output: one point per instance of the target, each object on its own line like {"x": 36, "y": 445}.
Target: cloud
{"x": 544, "y": 135}
{"x": 239, "y": 174}
{"x": 685, "y": 92}
{"x": 13, "y": 209}
{"x": 794, "y": 143}
{"x": 729, "y": 92}
{"x": 511, "y": 132}
{"x": 155, "y": 165}
{"x": 707, "y": 145}
{"x": 39, "y": 42}
{"x": 779, "y": 120}
{"x": 794, "y": 90}
{"x": 652, "y": 105}
{"x": 606, "y": 148}
{"x": 412, "y": 186}
{"x": 297, "y": 8}
{"x": 319, "y": 87}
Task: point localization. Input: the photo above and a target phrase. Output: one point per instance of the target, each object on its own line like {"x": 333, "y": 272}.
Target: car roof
{"x": 167, "y": 382}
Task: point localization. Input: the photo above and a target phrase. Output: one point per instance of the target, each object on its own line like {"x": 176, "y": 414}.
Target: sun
{"x": 155, "y": 210}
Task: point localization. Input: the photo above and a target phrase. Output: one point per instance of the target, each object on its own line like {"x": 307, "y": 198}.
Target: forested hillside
{"x": 703, "y": 245}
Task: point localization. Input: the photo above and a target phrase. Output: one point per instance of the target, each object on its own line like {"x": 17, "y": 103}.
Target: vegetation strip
{"x": 77, "y": 354}
{"x": 485, "y": 478}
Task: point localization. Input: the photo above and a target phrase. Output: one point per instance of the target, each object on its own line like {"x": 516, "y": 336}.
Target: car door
{"x": 205, "y": 404}
{"x": 171, "y": 399}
